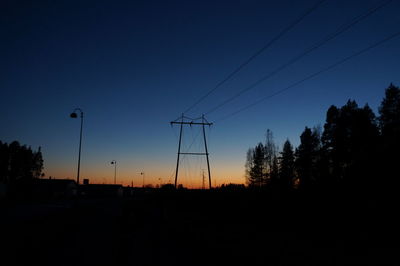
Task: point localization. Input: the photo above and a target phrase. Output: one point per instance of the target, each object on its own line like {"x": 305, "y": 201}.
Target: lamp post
{"x": 142, "y": 173}
{"x": 75, "y": 115}
{"x": 114, "y": 162}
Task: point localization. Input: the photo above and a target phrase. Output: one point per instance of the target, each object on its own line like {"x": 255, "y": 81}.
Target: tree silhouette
{"x": 249, "y": 166}
{"x": 275, "y": 170}
{"x": 19, "y": 163}
{"x": 261, "y": 166}
{"x": 349, "y": 142}
{"x": 354, "y": 152}
{"x": 307, "y": 157}
{"x": 286, "y": 168}
{"x": 255, "y": 166}
{"x": 389, "y": 123}
{"x": 258, "y": 171}
{"x": 270, "y": 158}
{"x": 389, "y": 111}
{"x": 4, "y": 162}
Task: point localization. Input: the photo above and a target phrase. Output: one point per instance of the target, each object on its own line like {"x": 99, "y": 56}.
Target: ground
{"x": 198, "y": 228}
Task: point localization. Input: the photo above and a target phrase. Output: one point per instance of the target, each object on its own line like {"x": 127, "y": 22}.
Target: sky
{"x": 134, "y": 66}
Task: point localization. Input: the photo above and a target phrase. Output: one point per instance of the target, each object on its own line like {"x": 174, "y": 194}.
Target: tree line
{"x": 355, "y": 149}
{"x": 19, "y": 163}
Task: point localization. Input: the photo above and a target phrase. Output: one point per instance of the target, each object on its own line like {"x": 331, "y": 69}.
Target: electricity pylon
{"x": 183, "y": 120}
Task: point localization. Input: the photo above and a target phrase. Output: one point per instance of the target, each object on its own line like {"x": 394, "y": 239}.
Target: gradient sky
{"x": 134, "y": 66}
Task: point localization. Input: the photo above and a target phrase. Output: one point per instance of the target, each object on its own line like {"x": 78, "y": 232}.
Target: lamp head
{"x": 73, "y": 115}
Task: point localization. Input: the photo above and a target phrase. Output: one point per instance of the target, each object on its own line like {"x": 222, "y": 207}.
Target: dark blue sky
{"x": 133, "y": 66}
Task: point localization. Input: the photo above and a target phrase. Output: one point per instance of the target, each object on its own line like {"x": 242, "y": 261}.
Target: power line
{"x": 251, "y": 58}
{"x": 339, "y": 31}
{"x": 312, "y": 75}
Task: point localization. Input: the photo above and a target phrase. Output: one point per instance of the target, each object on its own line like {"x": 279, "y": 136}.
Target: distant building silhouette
{"x": 101, "y": 190}
{"x": 54, "y": 188}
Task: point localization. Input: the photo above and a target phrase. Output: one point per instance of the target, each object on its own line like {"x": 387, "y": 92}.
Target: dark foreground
{"x": 201, "y": 228}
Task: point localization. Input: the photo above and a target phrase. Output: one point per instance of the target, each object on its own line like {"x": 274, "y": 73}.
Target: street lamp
{"x": 114, "y": 162}
{"x": 142, "y": 173}
{"x": 75, "y": 115}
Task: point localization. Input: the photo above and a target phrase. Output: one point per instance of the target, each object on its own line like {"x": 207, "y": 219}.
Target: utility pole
{"x": 114, "y": 162}
{"x": 179, "y": 149}
{"x": 75, "y": 115}
{"x": 205, "y": 146}
{"x": 183, "y": 120}
{"x": 142, "y": 173}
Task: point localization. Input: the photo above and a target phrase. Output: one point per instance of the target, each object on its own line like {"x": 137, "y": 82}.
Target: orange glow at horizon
{"x": 230, "y": 173}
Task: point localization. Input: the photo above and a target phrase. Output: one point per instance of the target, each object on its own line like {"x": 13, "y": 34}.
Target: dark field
{"x": 201, "y": 228}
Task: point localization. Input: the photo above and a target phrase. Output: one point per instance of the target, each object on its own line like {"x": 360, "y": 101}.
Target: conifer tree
{"x": 307, "y": 157}
{"x": 286, "y": 169}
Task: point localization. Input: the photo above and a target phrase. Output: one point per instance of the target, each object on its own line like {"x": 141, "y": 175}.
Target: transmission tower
{"x": 183, "y": 120}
